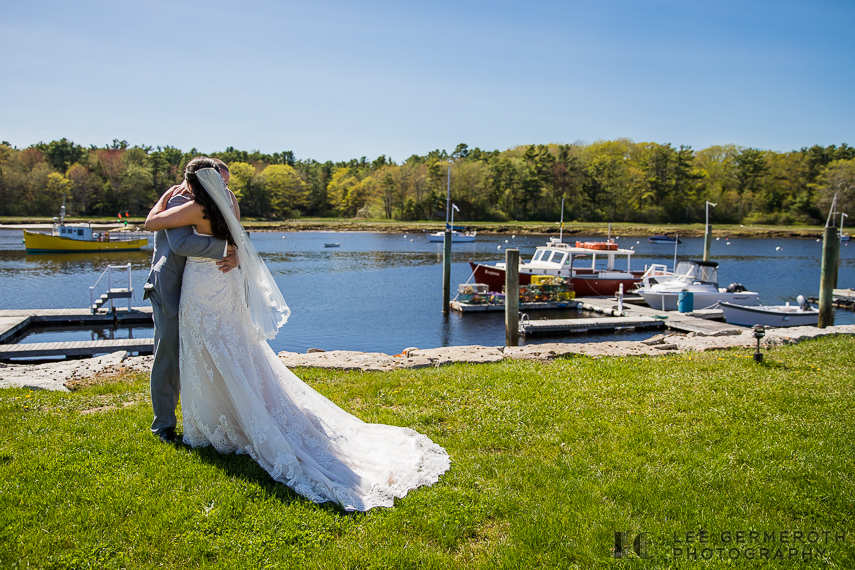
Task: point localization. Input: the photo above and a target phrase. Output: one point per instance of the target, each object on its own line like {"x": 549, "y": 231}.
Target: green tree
{"x": 51, "y": 197}
{"x": 288, "y": 193}
{"x": 241, "y": 176}
{"x": 750, "y": 166}
{"x": 837, "y": 178}
{"x": 63, "y": 153}
{"x": 136, "y": 189}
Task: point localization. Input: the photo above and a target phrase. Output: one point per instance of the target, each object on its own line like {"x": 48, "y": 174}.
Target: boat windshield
{"x": 686, "y": 269}
{"x": 708, "y": 274}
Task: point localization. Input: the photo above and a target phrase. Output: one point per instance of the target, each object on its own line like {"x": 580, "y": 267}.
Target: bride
{"x": 238, "y": 397}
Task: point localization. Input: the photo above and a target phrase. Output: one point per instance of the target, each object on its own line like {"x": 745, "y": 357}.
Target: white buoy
{"x": 411, "y": 239}
{"x": 506, "y": 241}
{"x": 632, "y": 247}
{"x": 728, "y": 243}
{"x": 819, "y": 240}
{"x": 283, "y": 237}
{"x": 514, "y": 236}
{"x": 778, "y": 248}
{"x": 498, "y": 247}
{"x": 716, "y": 239}
{"x": 637, "y": 242}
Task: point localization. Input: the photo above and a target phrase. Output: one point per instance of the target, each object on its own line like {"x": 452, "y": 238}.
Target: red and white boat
{"x": 591, "y": 266}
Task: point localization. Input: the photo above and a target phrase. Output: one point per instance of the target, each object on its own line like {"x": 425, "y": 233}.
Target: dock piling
{"x": 830, "y": 251}
{"x": 446, "y": 270}
{"x": 512, "y": 297}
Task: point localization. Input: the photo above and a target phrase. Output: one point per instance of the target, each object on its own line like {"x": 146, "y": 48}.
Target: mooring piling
{"x": 446, "y": 271}
{"x": 512, "y": 297}
{"x": 828, "y": 274}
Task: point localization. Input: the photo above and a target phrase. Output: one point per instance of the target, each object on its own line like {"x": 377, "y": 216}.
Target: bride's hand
{"x": 230, "y": 261}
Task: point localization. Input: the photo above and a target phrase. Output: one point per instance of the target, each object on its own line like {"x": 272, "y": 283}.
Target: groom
{"x": 163, "y": 288}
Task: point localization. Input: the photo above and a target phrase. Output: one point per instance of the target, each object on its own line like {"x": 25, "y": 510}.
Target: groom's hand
{"x": 230, "y": 261}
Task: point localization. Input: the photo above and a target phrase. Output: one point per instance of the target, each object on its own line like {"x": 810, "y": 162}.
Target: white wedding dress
{"x": 237, "y": 396}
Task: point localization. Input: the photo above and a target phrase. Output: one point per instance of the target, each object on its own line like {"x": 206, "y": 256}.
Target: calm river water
{"x": 383, "y": 292}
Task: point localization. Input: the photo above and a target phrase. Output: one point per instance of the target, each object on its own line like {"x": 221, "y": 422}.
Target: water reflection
{"x": 73, "y": 334}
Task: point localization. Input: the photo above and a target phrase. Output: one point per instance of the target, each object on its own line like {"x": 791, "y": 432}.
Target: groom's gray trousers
{"x": 171, "y": 249}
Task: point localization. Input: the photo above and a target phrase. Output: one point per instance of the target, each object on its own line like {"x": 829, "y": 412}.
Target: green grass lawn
{"x": 549, "y": 461}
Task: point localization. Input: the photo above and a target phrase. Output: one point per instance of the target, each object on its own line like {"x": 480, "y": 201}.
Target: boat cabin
{"x": 558, "y": 255}
{"x": 586, "y": 258}
{"x": 79, "y": 233}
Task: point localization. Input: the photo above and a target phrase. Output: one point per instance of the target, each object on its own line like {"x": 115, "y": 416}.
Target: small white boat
{"x": 332, "y": 244}
{"x": 772, "y": 315}
{"x": 666, "y": 240}
{"x": 455, "y": 236}
{"x": 700, "y": 278}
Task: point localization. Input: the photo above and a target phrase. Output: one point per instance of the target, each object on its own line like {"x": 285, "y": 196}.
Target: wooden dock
{"x": 75, "y": 349}
{"x": 841, "y": 298}
{"x": 553, "y": 326}
{"x": 706, "y": 321}
{"x": 489, "y": 307}
{"x": 14, "y": 323}
{"x": 633, "y": 316}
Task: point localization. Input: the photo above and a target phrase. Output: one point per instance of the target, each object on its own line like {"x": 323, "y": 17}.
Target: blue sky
{"x": 334, "y": 80}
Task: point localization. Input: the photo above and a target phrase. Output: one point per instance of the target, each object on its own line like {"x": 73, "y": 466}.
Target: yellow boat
{"x": 80, "y": 238}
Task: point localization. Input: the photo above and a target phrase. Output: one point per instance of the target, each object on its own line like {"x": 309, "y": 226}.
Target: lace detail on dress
{"x": 240, "y": 398}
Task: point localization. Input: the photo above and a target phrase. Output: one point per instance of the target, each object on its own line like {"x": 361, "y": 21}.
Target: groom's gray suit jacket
{"x": 171, "y": 249}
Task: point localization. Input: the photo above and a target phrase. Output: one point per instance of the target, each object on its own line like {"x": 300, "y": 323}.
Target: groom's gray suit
{"x": 163, "y": 288}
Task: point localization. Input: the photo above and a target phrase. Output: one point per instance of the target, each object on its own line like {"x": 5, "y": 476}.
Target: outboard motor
{"x": 736, "y": 288}
{"x": 803, "y": 303}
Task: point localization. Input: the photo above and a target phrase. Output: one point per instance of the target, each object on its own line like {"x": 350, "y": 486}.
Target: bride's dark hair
{"x": 210, "y": 211}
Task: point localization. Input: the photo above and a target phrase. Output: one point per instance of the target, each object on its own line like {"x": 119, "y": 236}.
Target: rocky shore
{"x": 68, "y": 375}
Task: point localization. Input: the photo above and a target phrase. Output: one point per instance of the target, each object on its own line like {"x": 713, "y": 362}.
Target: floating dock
{"x": 14, "y": 323}
{"x": 842, "y": 298}
{"x": 553, "y": 326}
{"x": 632, "y": 316}
{"x": 533, "y": 306}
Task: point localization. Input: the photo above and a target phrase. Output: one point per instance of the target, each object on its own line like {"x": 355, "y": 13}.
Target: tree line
{"x": 604, "y": 181}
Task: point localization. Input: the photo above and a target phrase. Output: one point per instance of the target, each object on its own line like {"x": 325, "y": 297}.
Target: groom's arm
{"x": 184, "y": 241}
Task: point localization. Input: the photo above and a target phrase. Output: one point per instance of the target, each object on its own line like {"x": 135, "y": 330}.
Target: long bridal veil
{"x": 263, "y": 297}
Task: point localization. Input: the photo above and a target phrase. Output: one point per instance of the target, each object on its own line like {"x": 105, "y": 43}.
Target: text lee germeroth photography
{"x": 768, "y": 545}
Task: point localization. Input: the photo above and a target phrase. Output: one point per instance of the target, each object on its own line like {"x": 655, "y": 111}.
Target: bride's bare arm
{"x": 189, "y": 214}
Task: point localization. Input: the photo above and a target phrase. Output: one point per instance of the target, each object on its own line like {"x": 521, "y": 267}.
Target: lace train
{"x": 238, "y": 397}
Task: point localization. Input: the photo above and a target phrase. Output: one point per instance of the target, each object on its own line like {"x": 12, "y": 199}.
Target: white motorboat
{"x": 700, "y": 278}
{"x": 455, "y": 236}
{"x": 771, "y": 315}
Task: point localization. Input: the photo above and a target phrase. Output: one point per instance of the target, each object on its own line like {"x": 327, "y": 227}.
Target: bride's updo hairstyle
{"x": 210, "y": 211}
